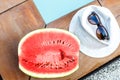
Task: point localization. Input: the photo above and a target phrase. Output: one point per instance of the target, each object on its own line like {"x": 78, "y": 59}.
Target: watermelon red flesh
{"x": 49, "y": 52}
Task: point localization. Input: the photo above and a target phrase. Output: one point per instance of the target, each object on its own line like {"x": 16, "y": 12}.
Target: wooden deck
{"x": 18, "y": 17}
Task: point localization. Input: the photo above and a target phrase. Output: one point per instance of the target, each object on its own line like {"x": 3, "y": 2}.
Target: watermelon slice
{"x": 49, "y": 53}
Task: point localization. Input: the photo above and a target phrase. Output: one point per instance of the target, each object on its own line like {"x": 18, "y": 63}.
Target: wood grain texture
{"x": 6, "y": 4}
{"x": 113, "y": 5}
{"x": 14, "y": 24}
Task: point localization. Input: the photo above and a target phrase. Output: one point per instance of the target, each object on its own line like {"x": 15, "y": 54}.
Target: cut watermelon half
{"x": 49, "y": 53}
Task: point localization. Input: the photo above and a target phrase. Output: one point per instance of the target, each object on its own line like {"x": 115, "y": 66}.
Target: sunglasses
{"x": 101, "y": 31}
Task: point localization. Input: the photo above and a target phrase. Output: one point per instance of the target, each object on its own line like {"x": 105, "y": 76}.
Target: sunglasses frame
{"x": 98, "y": 19}
{"x": 99, "y": 25}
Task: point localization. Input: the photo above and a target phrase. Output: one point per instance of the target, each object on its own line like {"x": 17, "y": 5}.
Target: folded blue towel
{"x": 54, "y": 9}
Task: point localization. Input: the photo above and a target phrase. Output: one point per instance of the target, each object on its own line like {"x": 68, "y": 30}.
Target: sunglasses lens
{"x": 102, "y": 33}
{"x": 93, "y": 19}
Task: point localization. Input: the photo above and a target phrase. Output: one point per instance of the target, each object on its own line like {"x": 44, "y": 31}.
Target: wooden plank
{"x": 6, "y": 4}
{"x": 113, "y": 5}
{"x": 14, "y": 24}
{"x": 87, "y": 64}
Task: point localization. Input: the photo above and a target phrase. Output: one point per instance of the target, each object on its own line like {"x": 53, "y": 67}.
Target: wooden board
{"x": 14, "y": 24}
{"x": 16, "y": 21}
{"x": 7, "y": 4}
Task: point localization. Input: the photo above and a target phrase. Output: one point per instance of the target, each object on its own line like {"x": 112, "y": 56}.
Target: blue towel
{"x": 51, "y": 10}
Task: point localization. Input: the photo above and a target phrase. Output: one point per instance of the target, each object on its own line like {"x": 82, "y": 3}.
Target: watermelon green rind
{"x": 52, "y": 75}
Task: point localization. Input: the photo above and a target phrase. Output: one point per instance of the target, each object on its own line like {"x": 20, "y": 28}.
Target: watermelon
{"x": 49, "y": 53}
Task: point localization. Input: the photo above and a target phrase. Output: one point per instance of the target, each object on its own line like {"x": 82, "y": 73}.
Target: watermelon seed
{"x": 53, "y": 42}
{"x": 65, "y": 63}
{"x": 28, "y": 62}
{"x": 24, "y": 60}
{"x": 47, "y": 63}
{"x": 49, "y": 42}
{"x": 43, "y": 66}
{"x": 62, "y": 53}
{"x": 68, "y": 62}
{"x": 58, "y": 41}
{"x": 63, "y": 42}
{"x": 37, "y": 65}
{"x": 59, "y": 67}
{"x": 69, "y": 45}
{"x": 56, "y": 67}
{"x": 71, "y": 60}
{"x": 51, "y": 66}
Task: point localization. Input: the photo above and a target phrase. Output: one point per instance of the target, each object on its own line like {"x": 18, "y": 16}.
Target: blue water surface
{"x": 51, "y": 10}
